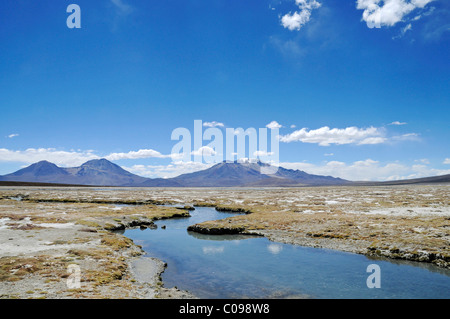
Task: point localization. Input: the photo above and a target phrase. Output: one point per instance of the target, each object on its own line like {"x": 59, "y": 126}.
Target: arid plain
{"x": 43, "y": 230}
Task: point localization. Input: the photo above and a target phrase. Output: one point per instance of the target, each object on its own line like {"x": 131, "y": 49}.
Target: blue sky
{"x": 359, "y": 89}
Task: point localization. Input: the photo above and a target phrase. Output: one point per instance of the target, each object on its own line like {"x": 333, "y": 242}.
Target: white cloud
{"x": 388, "y": 12}
{"x": 167, "y": 171}
{"x": 72, "y": 158}
{"x": 296, "y": 20}
{"x": 33, "y": 155}
{"x": 143, "y": 153}
{"x": 447, "y": 161}
{"x": 406, "y": 28}
{"x": 204, "y": 151}
{"x": 13, "y": 135}
{"x": 406, "y": 137}
{"x": 372, "y": 140}
{"x": 273, "y": 125}
{"x": 213, "y": 124}
{"x": 403, "y": 31}
{"x": 368, "y": 170}
{"x": 325, "y": 136}
{"x": 398, "y": 123}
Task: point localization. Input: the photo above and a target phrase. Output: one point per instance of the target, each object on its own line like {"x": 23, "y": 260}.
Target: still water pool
{"x": 239, "y": 266}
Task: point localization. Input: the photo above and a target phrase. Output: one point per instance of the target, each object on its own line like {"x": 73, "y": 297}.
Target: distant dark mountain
{"x": 226, "y": 174}
{"x": 440, "y": 179}
{"x": 103, "y": 172}
{"x": 223, "y": 174}
{"x": 158, "y": 182}
{"x": 301, "y": 177}
{"x": 96, "y": 172}
{"x": 238, "y": 174}
{"x": 42, "y": 172}
{"x": 18, "y": 184}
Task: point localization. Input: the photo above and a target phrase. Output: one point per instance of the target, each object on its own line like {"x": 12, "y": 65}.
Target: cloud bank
{"x": 363, "y": 170}
{"x": 33, "y": 155}
{"x": 71, "y": 158}
{"x": 325, "y": 136}
{"x": 368, "y": 170}
{"x": 167, "y": 171}
{"x": 143, "y": 153}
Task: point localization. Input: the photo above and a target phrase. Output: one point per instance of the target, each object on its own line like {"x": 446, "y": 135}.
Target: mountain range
{"x": 226, "y": 174}
{"x": 95, "y": 172}
{"x": 102, "y": 172}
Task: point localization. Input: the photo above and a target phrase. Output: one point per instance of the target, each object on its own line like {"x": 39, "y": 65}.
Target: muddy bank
{"x": 42, "y": 244}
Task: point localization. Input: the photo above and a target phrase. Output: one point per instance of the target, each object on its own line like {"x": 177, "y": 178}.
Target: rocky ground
{"x": 46, "y": 233}
{"x": 45, "y": 245}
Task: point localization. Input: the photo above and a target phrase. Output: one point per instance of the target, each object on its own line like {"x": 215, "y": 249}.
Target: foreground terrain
{"x": 45, "y": 231}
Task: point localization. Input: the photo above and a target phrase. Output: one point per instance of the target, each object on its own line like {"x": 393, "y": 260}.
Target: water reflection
{"x": 213, "y": 250}
{"x": 274, "y": 248}
{"x": 220, "y": 237}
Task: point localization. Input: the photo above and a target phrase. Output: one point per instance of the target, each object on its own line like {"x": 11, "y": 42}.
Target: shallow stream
{"x": 241, "y": 266}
